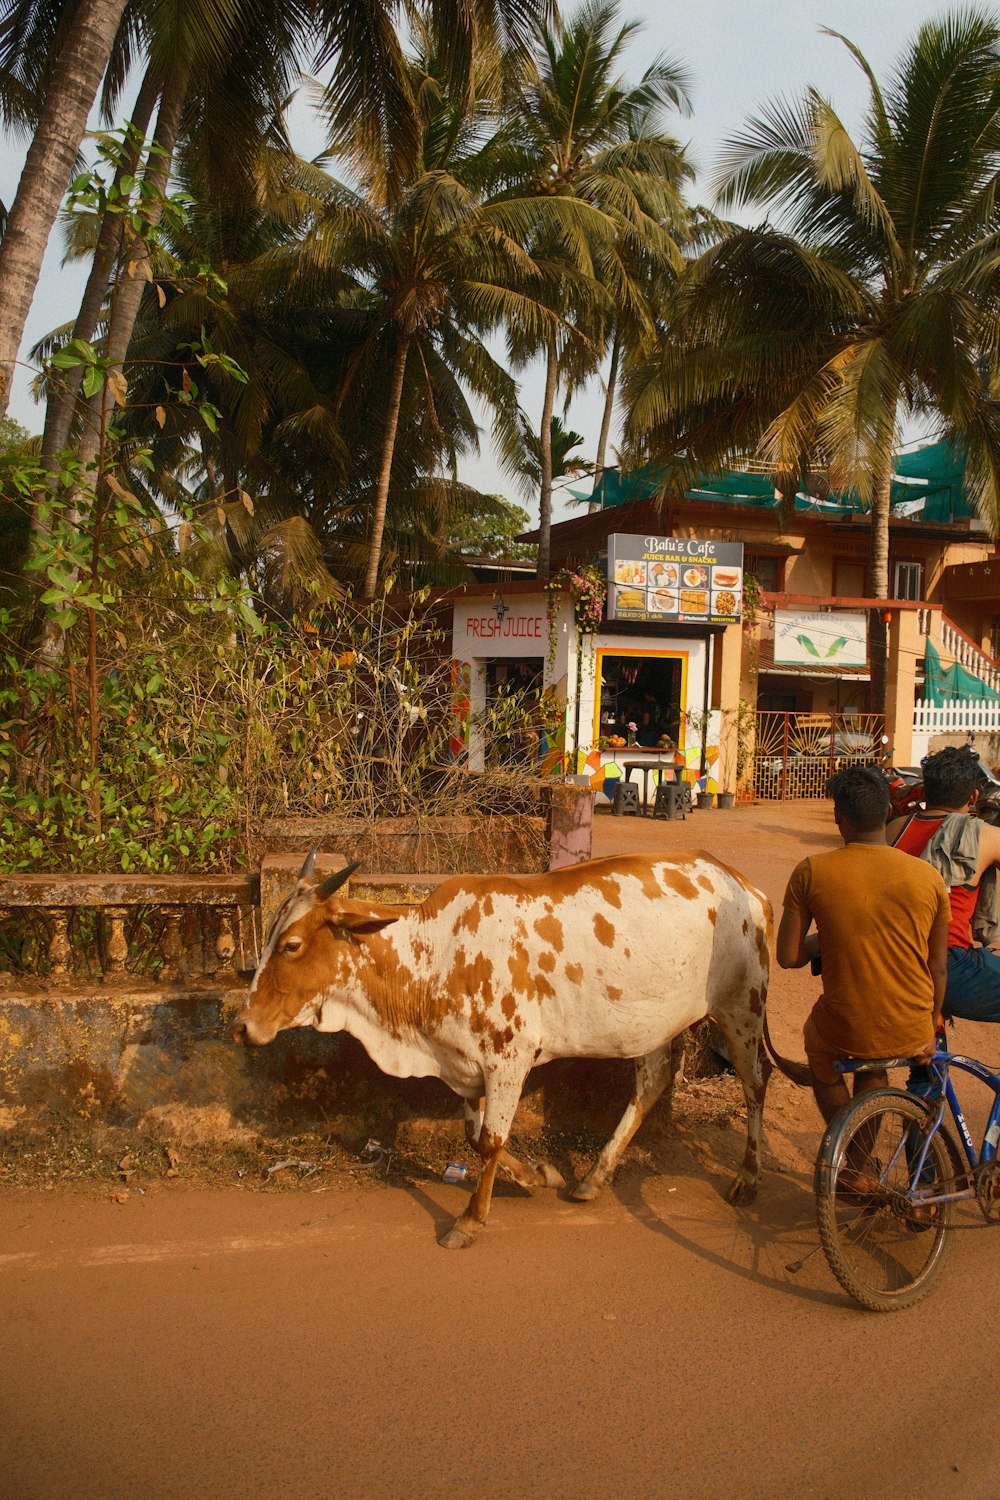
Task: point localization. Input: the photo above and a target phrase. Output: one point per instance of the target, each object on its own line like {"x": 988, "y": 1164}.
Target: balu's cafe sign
{"x": 674, "y": 578}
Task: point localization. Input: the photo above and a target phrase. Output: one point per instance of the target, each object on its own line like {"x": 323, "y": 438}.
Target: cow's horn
{"x": 334, "y": 882}
{"x": 306, "y": 872}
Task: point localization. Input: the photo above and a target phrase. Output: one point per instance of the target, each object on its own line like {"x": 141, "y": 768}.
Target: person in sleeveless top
{"x": 881, "y": 926}
{"x": 966, "y": 852}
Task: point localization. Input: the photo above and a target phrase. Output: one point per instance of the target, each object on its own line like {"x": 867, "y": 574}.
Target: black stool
{"x": 626, "y": 800}
{"x": 669, "y": 801}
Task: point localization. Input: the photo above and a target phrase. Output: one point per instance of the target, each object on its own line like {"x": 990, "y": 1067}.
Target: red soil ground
{"x": 307, "y": 1338}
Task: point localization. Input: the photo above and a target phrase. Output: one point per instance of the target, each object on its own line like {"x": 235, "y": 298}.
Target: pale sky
{"x": 739, "y": 55}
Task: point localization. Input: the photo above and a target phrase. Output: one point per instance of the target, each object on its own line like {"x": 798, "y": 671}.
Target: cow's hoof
{"x": 457, "y": 1238}
{"x": 585, "y": 1191}
{"x": 550, "y": 1177}
{"x": 742, "y": 1193}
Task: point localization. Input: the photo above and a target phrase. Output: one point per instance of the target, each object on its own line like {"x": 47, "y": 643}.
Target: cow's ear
{"x": 362, "y": 919}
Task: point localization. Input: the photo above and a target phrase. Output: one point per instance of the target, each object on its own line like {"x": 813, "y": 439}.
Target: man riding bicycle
{"x": 966, "y": 853}
{"x": 882, "y": 925}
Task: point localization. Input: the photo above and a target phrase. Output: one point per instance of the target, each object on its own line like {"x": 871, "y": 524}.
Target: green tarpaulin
{"x": 951, "y": 684}
{"x": 928, "y": 486}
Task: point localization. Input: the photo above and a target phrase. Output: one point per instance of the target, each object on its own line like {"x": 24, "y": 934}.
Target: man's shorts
{"x": 973, "y": 992}
{"x": 819, "y": 1056}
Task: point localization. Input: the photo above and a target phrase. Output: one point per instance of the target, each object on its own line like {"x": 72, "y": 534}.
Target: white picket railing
{"x": 973, "y": 716}
{"x": 957, "y": 643}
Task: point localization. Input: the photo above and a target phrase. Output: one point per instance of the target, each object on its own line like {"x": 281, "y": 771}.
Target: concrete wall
{"x": 158, "y": 1057}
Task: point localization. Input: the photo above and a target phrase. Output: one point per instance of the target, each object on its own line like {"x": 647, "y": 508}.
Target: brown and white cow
{"x": 494, "y": 974}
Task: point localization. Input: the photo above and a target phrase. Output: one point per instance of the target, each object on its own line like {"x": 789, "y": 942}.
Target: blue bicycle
{"x": 889, "y": 1174}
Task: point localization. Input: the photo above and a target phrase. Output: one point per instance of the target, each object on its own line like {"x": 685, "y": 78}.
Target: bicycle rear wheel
{"x": 884, "y": 1247}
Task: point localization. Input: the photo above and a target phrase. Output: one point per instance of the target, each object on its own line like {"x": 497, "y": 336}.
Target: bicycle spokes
{"x": 879, "y": 1187}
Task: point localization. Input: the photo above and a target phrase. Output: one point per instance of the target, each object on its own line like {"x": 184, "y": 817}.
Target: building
{"x": 795, "y": 649}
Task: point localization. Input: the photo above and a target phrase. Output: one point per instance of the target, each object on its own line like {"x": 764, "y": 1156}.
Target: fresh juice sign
{"x": 674, "y": 579}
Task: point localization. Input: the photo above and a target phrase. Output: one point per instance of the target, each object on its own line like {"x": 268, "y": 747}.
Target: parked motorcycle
{"x": 906, "y": 789}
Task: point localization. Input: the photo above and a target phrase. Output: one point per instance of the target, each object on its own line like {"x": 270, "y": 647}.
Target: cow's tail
{"x": 798, "y": 1072}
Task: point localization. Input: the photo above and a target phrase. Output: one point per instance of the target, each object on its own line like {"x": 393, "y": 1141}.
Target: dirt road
{"x": 317, "y": 1343}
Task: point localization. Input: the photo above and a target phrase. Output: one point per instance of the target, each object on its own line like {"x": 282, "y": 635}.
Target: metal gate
{"x": 796, "y": 753}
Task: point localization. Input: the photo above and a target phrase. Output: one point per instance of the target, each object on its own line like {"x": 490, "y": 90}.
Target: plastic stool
{"x": 626, "y": 800}
{"x": 687, "y": 801}
{"x": 669, "y": 801}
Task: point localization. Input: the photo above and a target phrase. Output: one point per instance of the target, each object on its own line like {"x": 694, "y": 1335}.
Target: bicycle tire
{"x": 881, "y": 1255}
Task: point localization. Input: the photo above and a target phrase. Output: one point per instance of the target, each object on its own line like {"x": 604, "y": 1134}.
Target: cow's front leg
{"x": 502, "y": 1097}
{"x": 540, "y": 1174}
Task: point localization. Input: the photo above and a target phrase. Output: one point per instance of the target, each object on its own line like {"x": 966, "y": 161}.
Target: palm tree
{"x": 313, "y": 275}
{"x": 579, "y": 130}
{"x": 435, "y": 270}
{"x": 76, "y": 39}
{"x": 656, "y": 272}
{"x": 74, "y": 72}
{"x": 215, "y": 74}
{"x": 873, "y": 296}
{"x": 562, "y": 442}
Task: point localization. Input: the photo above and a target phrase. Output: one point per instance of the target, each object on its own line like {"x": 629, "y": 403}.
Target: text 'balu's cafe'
{"x": 626, "y": 661}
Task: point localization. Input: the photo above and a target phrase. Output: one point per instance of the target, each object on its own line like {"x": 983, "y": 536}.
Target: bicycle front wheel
{"x": 884, "y": 1241}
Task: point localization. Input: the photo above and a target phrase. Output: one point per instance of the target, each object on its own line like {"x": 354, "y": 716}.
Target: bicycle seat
{"x": 873, "y": 1064}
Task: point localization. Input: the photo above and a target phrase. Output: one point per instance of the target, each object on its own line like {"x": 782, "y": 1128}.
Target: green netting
{"x": 951, "y": 684}
{"x": 935, "y": 475}
{"x": 928, "y": 487}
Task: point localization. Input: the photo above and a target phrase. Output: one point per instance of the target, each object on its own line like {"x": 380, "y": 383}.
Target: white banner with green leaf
{"x": 835, "y": 638}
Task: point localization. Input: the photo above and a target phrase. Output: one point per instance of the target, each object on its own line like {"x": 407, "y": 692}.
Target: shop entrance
{"x": 512, "y": 676}
{"x": 643, "y": 690}
{"x": 513, "y": 717}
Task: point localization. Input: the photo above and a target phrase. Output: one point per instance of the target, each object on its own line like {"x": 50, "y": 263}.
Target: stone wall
{"x": 987, "y": 746}
{"x": 84, "y": 1039}
{"x": 554, "y": 831}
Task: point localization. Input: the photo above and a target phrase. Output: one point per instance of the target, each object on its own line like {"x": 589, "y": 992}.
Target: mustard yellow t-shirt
{"x": 875, "y": 909}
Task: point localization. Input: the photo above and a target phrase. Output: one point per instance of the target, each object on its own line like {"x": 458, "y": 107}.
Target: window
{"x": 769, "y": 571}
{"x": 850, "y": 579}
{"x": 909, "y": 580}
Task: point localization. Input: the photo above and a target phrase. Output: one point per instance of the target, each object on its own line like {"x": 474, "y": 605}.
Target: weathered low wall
{"x": 165, "y": 1065}
{"x": 987, "y": 744}
{"x": 157, "y": 1056}
{"x": 557, "y": 833}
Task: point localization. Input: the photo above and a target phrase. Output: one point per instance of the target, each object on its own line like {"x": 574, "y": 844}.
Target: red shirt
{"x": 914, "y": 836}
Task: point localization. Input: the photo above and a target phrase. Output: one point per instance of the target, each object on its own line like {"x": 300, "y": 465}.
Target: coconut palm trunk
{"x": 127, "y": 296}
{"x": 125, "y": 302}
{"x": 879, "y": 569}
{"x": 76, "y": 76}
{"x": 385, "y": 472}
{"x": 609, "y": 408}
{"x": 545, "y": 457}
{"x": 62, "y": 397}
